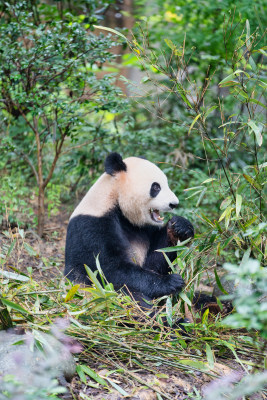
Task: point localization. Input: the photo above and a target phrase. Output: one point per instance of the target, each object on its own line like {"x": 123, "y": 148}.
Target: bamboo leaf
{"x": 252, "y": 181}
{"x": 13, "y": 275}
{"x": 228, "y": 216}
{"x": 104, "y": 28}
{"x": 193, "y": 123}
{"x": 205, "y": 316}
{"x": 201, "y": 196}
{"x": 210, "y": 110}
{"x": 94, "y": 279}
{"x": 182, "y": 93}
{"x": 210, "y": 357}
{"x": 224, "y": 213}
{"x": 81, "y": 374}
{"x": 231, "y": 76}
{"x": 245, "y": 257}
{"x": 170, "y": 44}
{"x": 220, "y": 286}
{"x": 29, "y": 249}
{"x": 5, "y": 317}
{"x": 200, "y": 365}
{"x": 185, "y": 298}
{"x": 14, "y": 306}
{"x": 71, "y": 293}
{"x": 117, "y": 387}
{"x": 259, "y": 103}
{"x": 11, "y": 247}
{"x": 250, "y": 221}
{"x": 88, "y": 371}
{"x": 257, "y": 131}
{"x": 238, "y": 204}
{"x": 169, "y": 311}
{"x": 225, "y": 203}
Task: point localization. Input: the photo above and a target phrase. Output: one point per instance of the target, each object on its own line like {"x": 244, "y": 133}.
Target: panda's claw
{"x": 175, "y": 283}
{"x": 181, "y": 228}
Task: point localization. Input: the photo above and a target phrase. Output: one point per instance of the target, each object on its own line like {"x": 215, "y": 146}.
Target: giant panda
{"x": 120, "y": 220}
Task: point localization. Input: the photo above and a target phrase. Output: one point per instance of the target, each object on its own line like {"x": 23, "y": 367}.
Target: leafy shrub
{"x": 249, "y": 297}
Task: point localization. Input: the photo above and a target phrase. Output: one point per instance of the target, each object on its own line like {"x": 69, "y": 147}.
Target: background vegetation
{"x": 186, "y": 88}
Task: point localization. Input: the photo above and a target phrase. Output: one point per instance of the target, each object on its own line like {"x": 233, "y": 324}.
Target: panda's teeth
{"x": 155, "y": 215}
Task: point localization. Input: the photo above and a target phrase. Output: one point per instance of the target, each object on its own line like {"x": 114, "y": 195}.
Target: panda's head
{"x": 142, "y": 189}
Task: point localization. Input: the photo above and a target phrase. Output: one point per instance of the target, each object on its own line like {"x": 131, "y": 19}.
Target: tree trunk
{"x": 41, "y": 211}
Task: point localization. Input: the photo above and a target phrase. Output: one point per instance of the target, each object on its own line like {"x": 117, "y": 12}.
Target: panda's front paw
{"x": 174, "y": 283}
{"x": 179, "y": 228}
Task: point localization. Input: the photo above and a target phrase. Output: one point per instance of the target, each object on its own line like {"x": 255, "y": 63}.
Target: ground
{"x": 141, "y": 381}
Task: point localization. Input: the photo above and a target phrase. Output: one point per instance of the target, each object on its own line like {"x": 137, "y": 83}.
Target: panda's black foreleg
{"x": 179, "y": 228}
{"x": 138, "y": 279}
{"x": 155, "y": 260}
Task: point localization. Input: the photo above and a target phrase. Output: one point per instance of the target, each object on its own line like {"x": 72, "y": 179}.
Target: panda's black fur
{"x": 110, "y": 236}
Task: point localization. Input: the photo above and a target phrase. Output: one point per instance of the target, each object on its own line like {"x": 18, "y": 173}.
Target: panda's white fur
{"x": 130, "y": 190}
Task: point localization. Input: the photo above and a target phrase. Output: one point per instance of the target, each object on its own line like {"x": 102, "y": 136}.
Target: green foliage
{"x": 15, "y": 206}
{"x": 232, "y": 388}
{"x": 249, "y": 297}
{"x": 209, "y": 28}
{"x": 221, "y": 138}
{"x": 50, "y": 93}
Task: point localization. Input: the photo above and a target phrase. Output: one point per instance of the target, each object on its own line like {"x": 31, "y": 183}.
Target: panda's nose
{"x": 173, "y": 205}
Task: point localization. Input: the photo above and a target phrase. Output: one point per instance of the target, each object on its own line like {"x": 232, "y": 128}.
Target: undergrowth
{"x": 116, "y": 333}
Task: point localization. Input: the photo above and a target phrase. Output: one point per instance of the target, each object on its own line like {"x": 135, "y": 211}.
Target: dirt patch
{"x": 148, "y": 385}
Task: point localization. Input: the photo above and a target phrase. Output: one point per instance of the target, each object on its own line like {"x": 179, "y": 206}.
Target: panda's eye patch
{"x": 155, "y": 189}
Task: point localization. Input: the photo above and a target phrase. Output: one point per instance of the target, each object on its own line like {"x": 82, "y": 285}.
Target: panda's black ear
{"x": 114, "y": 163}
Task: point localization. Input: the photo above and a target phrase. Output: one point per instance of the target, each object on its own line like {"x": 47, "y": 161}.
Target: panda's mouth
{"x": 155, "y": 216}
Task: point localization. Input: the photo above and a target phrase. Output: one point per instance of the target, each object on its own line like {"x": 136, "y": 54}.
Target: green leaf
{"x": 218, "y": 226}
{"x": 5, "y": 317}
{"x": 210, "y": 110}
{"x": 225, "y": 203}
{"x": 11, "y": 247}
{"x": 117, "y": 387}
{"x": 169, "y": 311}
{"x": 71, "y": 293}
{"x": 185, "y": 298}
{"x": 88, "y": 371}
{"x": 193, "y": 123}
{"x": 209, "y": 180}
{"x": 238, "y": 204}
{"x": 256, "y": 130}
{"x": 81, "y": 374}
{"x": 225, "y": 213}
{"x": 245, "y": 257}
{"x": 257, "y": 102}
{"x": 250, "y": 221}
{"x": 14, "y": 306}
{"x": 104, "y": 28}
{"x": 12, "y": 275}
{"x": 200, "y": 365}
{"x": 210, "y": 357}
{"x": 29, "y": 249}
{"x": 201, "y": 196}
{"x": 170, "y": 44}
{"x": 252, "y": 181}
{"x": 182, "y": 93}
{"x": 220, "y": 286}
{"x": 94, "y": 280}
{"x": 207, "y": 220}
{"x": 231, "y": 76}
{"x": 205, "y": 316}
